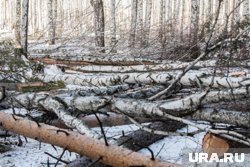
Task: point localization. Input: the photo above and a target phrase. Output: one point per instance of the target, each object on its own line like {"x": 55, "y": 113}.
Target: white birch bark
{"x": 182, "y": 19}
{"x": 99, "y": 24}
{"x": 162, "y": 32}
{"x": 147, "y": 23}
{"x": 24, "y": 31}
{"x": 226, "y": 116}
{"x": 18, "y": 24}
{"x": 194, "y": 25}
{"x": 113, "y": 26}
{"x": 191, "y": 78}
{"x": 140, "y": 29}
{"x": 51, "y": 37}
{"x": 133, "y": 23}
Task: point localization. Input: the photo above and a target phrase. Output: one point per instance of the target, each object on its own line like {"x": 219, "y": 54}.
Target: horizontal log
{"x": 142, "y": 108}
{"x": 87, "y": 60}
{"x": 24, "y": 86}
{"x": 241, "y": 119}
{"x": 94, "y": 149}
{"x": 191, "y": 78}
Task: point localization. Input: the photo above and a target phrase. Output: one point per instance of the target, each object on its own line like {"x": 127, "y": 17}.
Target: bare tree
{"x": 140, "y": 22}
{"x": 24, "y": 32}
{"x": 147, "y": 21}
{"x": 113, "y": 26}
{"x": 194, "y": 27}
{"x": 133, "y": 23}
{"x": 18, "y": 24}
{"x": 54, "y": 18}
{"x": 99, "y": 24}
{"x": 162, "y": 32}
{"x": 182, "y": 18}
{"x": 51, "y": 23}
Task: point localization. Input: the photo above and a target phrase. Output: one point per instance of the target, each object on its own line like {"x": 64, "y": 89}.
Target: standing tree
{"x": 99, "y": 24}
{"x": 133, "y": 23}
{"x": 147, "y": 21}
{"x": 51, "y": 23}
{"x": 113, "y": 26}
{"x": 18, "y": 49}
{"x": 162, "y": 32}
{"x": 194, "y": 27}
{"x": 140, "y": 22}
{"x": 24, "y": 32}
{"x": 182, "y": 19}
{"x": 54, "y": 18}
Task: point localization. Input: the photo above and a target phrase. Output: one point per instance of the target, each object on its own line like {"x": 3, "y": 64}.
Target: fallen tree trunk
{"x": 139, "y": 108}
{"x": 93, "y": 60}
{"x": 223, "y": 116}
{"x": 177, "y": 65}
{"x": 94, "y": 149}
{"x": 192, "y": 78}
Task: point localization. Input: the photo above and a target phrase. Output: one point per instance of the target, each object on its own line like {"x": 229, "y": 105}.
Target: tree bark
{"x": 133, "y": 23}
{"x": 51, "y": 23}
{"x": 113, "y": 26}
{"x": 99, "y": 24}
{"x": 148, "y": 13}
{"x": 72, "y": 141}
{"x": 24, "y": 32}
{"x": 18, "y": 24}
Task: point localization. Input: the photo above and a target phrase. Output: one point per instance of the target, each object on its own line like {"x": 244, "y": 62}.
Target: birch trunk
{"x": 24, "y": 32}
{"x": 99, "y": 24}
{"x": 147, "y": 24}
{"x": 192, "y": 78}
{"x": 194, "y": 27}
{"x": 18, "y": 24}
{"x": 140, "y": 29}
{"x": 51, "y": 36}
{"x": 162, "y": 32}
{"x": 113, "y": 26}
{"x": 54, "y": 19}
{"x": 133, "y": 23}
{"x": 139, "y": 108}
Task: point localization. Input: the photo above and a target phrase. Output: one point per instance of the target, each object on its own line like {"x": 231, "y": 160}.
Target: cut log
{"x": 214, "y": 144}
{"x": 94, "y": 149}
{"x": 21, "y": 87}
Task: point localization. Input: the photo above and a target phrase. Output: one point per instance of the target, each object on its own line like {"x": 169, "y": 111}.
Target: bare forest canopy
{"x": 75, "y": 17}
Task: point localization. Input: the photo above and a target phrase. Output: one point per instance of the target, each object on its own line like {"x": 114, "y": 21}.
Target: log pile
{"x": 160, "y": 93}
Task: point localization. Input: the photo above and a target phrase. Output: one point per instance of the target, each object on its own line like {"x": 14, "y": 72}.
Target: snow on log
{"x": 72, "y": 141}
